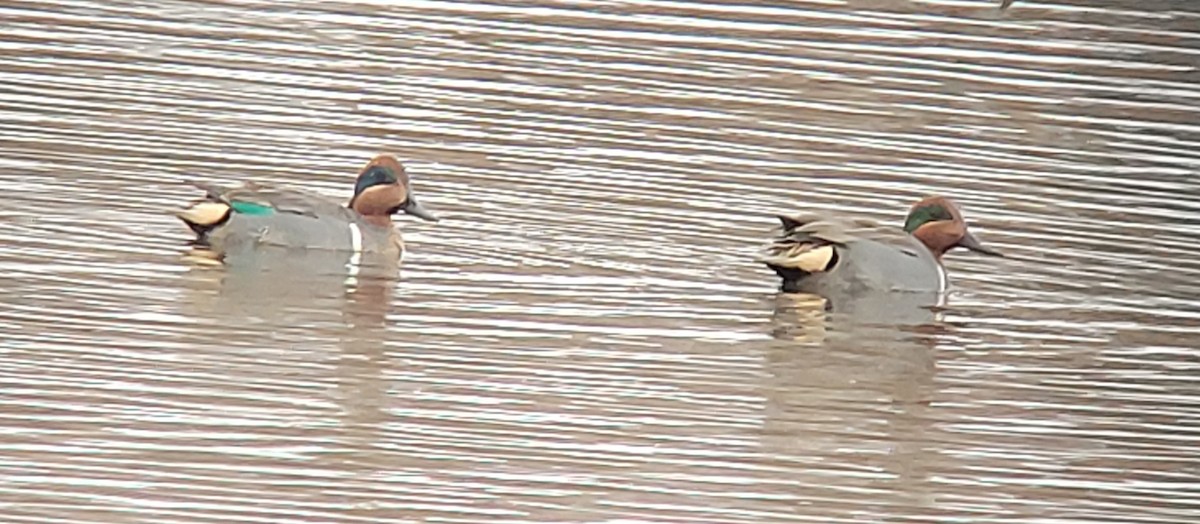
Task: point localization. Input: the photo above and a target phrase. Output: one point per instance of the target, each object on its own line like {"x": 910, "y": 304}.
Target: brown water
{"x": 585, "y": 336}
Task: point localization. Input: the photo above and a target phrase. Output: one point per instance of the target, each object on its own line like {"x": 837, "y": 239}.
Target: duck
{"x": 838, "y": 256}
{"x": 237, "y": 219}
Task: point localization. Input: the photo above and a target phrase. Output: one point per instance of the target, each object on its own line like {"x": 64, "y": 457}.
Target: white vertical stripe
{"x": 356, "y": 239}
{"x": 943, "y": 285}
{"x": 356, "y": 245}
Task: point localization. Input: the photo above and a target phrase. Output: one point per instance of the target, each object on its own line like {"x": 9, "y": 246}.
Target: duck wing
{"x": 260, "y": 199}
{"x": 808, "y": 242}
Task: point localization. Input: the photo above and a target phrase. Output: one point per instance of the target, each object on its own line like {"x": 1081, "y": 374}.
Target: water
{"x": 585, "y": 336}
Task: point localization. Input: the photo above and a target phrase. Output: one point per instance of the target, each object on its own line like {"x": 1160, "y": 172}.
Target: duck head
{"x": 382, "y": 190}
{"x": 938, "y": 223}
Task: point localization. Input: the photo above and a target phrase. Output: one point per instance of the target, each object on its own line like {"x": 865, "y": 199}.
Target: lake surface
{"x": 585, "y": 337}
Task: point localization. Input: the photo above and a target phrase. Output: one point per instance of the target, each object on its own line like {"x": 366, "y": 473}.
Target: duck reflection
{"x": 285, "y": 287}
{"x": 313, "y": 322}
{"x": 296, "y": 304}
{"x": 848, "y": 392}
{"x": 810, "y": 317}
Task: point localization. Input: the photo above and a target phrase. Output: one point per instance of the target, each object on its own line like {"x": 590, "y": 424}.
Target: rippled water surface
{"x": 585, "y": 337}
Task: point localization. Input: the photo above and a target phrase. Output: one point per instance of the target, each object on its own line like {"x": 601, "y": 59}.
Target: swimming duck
{"x": 233, "y": 219}
{"x": 839, "y": 257}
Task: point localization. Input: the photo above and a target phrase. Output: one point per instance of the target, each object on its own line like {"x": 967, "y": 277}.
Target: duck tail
{"x": 207, "y": 213}
{"x": 806, "y": 257}
{"x": 204, "y": 216}
{"x": 804, "y": 245}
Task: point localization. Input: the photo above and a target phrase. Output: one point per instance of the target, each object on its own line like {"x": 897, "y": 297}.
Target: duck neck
{"x": 378, "y": 220}
{"x": 939, "y": 237}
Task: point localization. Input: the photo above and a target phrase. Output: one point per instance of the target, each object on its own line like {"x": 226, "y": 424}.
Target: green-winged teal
{"x": 236, "y": 219}
{"x": 835, "y": 257}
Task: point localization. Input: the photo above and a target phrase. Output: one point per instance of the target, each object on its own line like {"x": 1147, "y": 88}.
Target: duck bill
{"x": 414, "y": 208}
{"x": 969, "y": 241}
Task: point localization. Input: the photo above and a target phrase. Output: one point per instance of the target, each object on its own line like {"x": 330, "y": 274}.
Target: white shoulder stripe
{"x": 356, "y": 238}
{"x": 356, "y": 244}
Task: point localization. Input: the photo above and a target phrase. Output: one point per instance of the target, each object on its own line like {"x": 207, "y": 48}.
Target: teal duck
{"x": 839, "y": 257}
{"x": 256, "y": 215}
